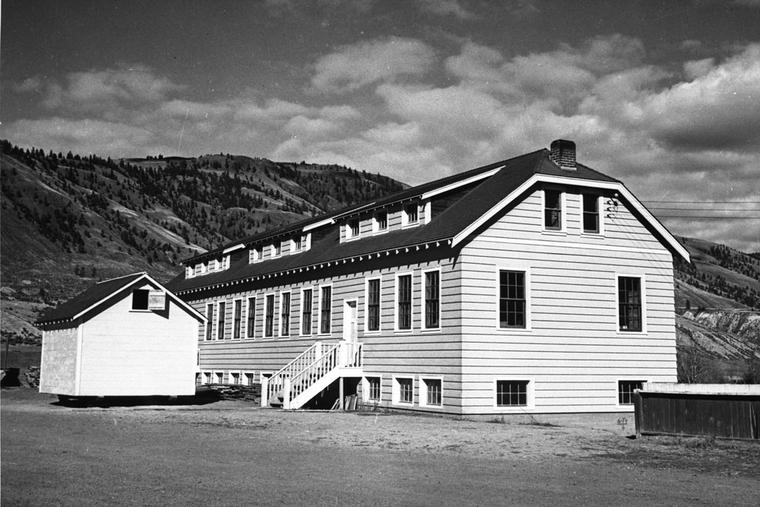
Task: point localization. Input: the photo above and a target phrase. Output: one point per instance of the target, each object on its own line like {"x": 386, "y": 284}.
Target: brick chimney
{"x": 563, "y": 154}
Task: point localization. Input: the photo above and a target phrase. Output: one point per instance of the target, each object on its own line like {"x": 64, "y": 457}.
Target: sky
{"x": 664, "y": 95}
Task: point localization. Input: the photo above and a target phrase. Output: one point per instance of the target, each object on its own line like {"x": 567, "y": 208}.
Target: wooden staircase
{"x": 311, "y": 372}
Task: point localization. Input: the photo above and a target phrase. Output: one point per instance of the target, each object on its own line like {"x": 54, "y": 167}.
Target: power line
{"x": 708, "y": 218}
{"x": 708, "y": 202}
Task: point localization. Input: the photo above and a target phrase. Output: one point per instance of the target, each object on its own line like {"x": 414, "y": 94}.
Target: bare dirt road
{"x": 229, "y": 453}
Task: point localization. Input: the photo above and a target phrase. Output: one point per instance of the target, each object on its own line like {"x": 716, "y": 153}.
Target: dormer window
{"x": 277, "y": 249}
{"x": 410, "y": 215}
{"x": 254, "y": 255}
{"x": 353, "y": 229}
{"x": 553, "y": 210}
{"x": 188, "y": 272}
{"x": 298, "y": 243}
{"x": 226, "y": 262}
{"x": 380, "y": 221}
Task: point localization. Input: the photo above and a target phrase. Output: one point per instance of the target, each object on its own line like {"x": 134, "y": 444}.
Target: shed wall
{"x": 59, "y": 361}
{"x": 129, "y": 352}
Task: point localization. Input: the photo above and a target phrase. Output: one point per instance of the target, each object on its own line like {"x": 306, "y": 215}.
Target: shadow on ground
{"x": 201, "y": 397}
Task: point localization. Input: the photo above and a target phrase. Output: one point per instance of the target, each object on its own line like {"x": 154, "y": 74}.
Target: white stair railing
{"x": 297, "y": 377}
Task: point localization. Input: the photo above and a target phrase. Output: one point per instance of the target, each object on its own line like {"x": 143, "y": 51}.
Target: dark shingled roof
{"x": 96, "y": 293}
{"x": 485, "y": 194}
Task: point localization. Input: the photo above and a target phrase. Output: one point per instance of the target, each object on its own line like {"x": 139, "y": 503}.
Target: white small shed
{"x": 128, "y": 336}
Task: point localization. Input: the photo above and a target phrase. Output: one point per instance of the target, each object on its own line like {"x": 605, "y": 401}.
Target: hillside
{"x": 68, "y": 221}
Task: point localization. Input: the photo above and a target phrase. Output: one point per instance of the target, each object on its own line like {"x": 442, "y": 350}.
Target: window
{"x": 404, "y": 391}
{"x": 511, "y": 393}
{"x": 269, "y": 316}
{"x": 381, "y": 221}
{"x": 411, "y": 214}
{"x": 238, "y": 317}
{"x": 140, "y": 299}
{"x": 285, "y": 314}
{"x": 277, "y": 249}
{"x": 207, "y": 378}
{"x": 512, "y": 307}
{"x": 431, "y": 392}
{"x": 373, "y": 304}
{"x": 590, "y": 213}
{"x": 220, "y": 325}
{"x": 298, "y": 244}
{"x": 629, "y": 303}
{"x": 325, "y": 313}
{"x": 373, "y": 389}
{"x": 353, "y": 229}
{"x": 248, "y": 378}
{"x": 625, "y": 390}
{"x": 254, "y": 255}
{"x": 235, "y": 378}
{"x": 219, "y": 377}
{"x": 251, "y": 315}
{"x": 432, "y": 300}
{"x": 209, "y": 321}
{"x": 306, "y": 308}
{"x": 404, "y": 302}
{"x": 553, "y": 210}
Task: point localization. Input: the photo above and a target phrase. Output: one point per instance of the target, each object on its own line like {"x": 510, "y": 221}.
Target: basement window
{"x": 625, "y": 390}
{"x": 140, "y": 299}
{"x": 403, "y": 390}
{"x": 372, "y": 386}
{"x": 430, "y": 392}
{"x": 511, "y": 393}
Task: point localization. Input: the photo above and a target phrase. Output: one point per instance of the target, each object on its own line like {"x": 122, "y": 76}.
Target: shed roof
{"x": 100, "y": 293}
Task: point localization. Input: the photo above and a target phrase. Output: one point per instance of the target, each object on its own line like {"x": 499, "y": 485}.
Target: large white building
{"x": 531, "y": 285}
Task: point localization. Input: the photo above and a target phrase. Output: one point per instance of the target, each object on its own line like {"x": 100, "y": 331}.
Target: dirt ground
{"x": 229, "y": 452}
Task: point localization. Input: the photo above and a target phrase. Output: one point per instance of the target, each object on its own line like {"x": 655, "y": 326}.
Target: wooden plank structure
{"x": 714, "y": 410}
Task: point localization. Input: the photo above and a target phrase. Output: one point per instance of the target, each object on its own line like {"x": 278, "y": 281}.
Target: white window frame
{"x": 367, "y": 330}
{"x": 265, "y": 375}
{"x": 365, "y": 388}
{"x": 423, "y": 302}
{"x": 643, "y": 279}
{"x": 530, "y": 393}
{"x": 211, "y": 323}
{"x": 601, "y": 213}
{"x": 224, "y": 318}
{"x": 242, "y": 323}
{"x": 273, "y": 250}
{"x": 428, "y": 210}
{"x": 395, "y": 304}
{"x": 216, "y": 377}
{"x": 319, "y": 307}
{"x": 563, "y": 212}
{"x": 247, "y": 313}
{"x": 254, "y": 255}
{"x": 274, "y": 316}
{"x": 423, "y": 390}
{"x": 617, "y": 390}
{"x": 300, "y": 312}
{"x": 290, "y": 315}
{"x": 513, "y": 266}
{"x": 396, "y": 391}
{"x": 207, "y": 377}
{"x": 348, "y": 233}
{"x": 189, "y": 272}
{"x": 376, "y": 224}
{"x": 244, "y": 375}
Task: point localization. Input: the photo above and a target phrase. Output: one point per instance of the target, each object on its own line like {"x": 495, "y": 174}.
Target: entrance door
{"x": 350, "y": 320}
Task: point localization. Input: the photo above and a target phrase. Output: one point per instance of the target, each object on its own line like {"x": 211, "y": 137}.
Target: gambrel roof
{"x": 100, "y": 294}
{"x": 490, "y": 189}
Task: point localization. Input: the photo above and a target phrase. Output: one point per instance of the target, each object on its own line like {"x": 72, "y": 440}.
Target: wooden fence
{"x": 715, "y": 410}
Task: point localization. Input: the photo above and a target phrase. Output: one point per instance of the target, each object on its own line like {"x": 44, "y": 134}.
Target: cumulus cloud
{"x": 364, "y": 63}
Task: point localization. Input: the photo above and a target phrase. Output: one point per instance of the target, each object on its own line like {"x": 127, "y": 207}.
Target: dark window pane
{"x": 405, "y": 302}
{"x": 629, "y": 303}
{"x": 512, "y": 299}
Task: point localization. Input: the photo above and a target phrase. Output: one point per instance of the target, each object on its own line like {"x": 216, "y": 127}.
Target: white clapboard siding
{"x": 136, "y": 353}
{"x": 572, "y": 353}
{"x": 58, "y": 361}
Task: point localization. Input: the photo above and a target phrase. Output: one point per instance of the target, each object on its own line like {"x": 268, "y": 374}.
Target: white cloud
{"x": 28, "y": 85}
{"x": 364, "y": 63}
